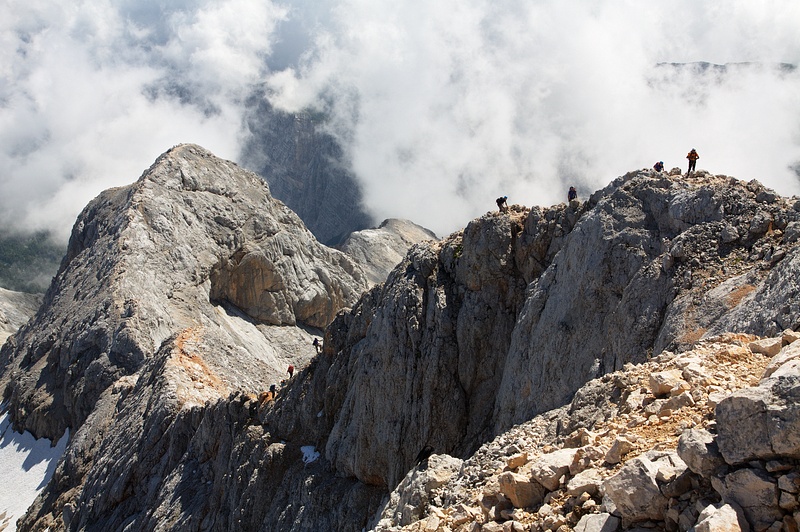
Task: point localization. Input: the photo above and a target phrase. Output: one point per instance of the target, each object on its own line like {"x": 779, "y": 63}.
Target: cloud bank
{"x": 93, "y": 91}
{"x": 440, "y": 106}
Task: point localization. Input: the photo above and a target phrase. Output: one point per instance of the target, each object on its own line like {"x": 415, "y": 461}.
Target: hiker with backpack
{"x": 572, "y": 194}
{"x": 501, "y": 204}
{"x": 692, "y": 156}
{"x": 291, "y": 370}
{"x": 317, "y": 345}
{"x": 659, "y": 166}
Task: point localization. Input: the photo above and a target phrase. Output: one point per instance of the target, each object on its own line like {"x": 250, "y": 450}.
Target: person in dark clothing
{"x": 501, "y": 204}
{"x": 659, "y": 166}
{"x": 317, "y": 345}
{"x": 572, "y": 194}
{"x": 692, "y": 156}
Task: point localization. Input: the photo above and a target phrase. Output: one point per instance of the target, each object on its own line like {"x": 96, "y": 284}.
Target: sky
{"x": 440, "y": 106}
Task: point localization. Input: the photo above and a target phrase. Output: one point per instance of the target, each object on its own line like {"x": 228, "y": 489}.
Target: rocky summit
{"x": 627, "y": 362}
{"x": 380, "y": 249}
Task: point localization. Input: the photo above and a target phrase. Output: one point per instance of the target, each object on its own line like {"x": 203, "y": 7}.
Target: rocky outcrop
{"x": 169, "y": 450}
{"x": 196, "y": 242}
{"x": 188, "y": 286}
{"x": 16, "y": 308}
{"x": 379, "y": 250}
{"x": 511, "y": 316}
{"x": 673, "y": 478}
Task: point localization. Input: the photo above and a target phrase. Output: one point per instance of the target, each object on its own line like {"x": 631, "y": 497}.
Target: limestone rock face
{"x": 772, "y": 414}
{"x": 16, "y": 308}
{"x": 379, "y": 250}
{"x": 195, "y": 244}
{"x": 511, "y": 316}
{"x": 493, "y": 331}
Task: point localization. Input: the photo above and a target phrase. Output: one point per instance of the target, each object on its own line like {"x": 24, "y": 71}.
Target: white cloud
{"x": 92, "y": 92}
{"x": 453, "y": 103}
{"x": 442, "y": 106}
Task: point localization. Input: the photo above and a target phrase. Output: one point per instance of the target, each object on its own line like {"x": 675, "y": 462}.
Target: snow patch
{"x": 310, "y": 454}
{"x": 27, "y": 465}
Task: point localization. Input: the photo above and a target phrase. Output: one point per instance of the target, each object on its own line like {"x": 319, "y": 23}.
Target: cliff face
{"x": 15, "y": 309}
{"x": 467, "y": 337}
{"x": 508, "y": 318}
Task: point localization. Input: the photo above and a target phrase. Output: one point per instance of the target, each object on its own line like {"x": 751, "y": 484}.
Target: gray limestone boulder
{"x": 698, "y": 448}
{"x": 721, "y": 517}
{"x": 601, "y": 522}
{"x": 755, "y": 492}
{"x": 635, "y": 489}
{"x": 771, "y": 413}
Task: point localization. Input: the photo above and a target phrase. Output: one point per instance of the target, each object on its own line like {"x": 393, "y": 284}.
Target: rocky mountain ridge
{"x": 196, "y": 244}
{"x": 468, "y": 338}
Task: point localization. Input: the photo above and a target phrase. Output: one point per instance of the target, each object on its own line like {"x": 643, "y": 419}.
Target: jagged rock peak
{"x": 380, "y": 249}
{"x": 196, "y": 244}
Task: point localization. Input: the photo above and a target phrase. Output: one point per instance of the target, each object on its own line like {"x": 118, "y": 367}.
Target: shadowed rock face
{"x": 148, "y": 261}
{"x": 305, "y": 168}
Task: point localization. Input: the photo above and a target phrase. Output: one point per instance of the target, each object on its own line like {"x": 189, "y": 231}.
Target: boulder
{"x": 721, "y": 517}
{"x": 771, "y": 414}
{"x": 635, "y": 491}
{"x": 766, "y": 346}
{"x": 755, "y": 492}
{"x": 699, "y": 450}
{"x": 618, "y": 450}
{"x": 520, "y": 490}
{"x": 548, "y": 469}
{"x": 790, "y": 353}
{"x": 662, "y": 382}
{"x": 789, "y": 336}
{"x": 588, "y": 481}
{"x": 597, "y": 523}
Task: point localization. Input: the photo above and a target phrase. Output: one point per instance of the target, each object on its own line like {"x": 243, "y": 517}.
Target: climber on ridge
{"x": 291, "y": 370}
{"x": 501, "y": 203}
{"x": 317, "y": 345}
{"x": 692, "y": 156}
{"x": 659, "y": 166}
{"x": 572, "y": 194}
